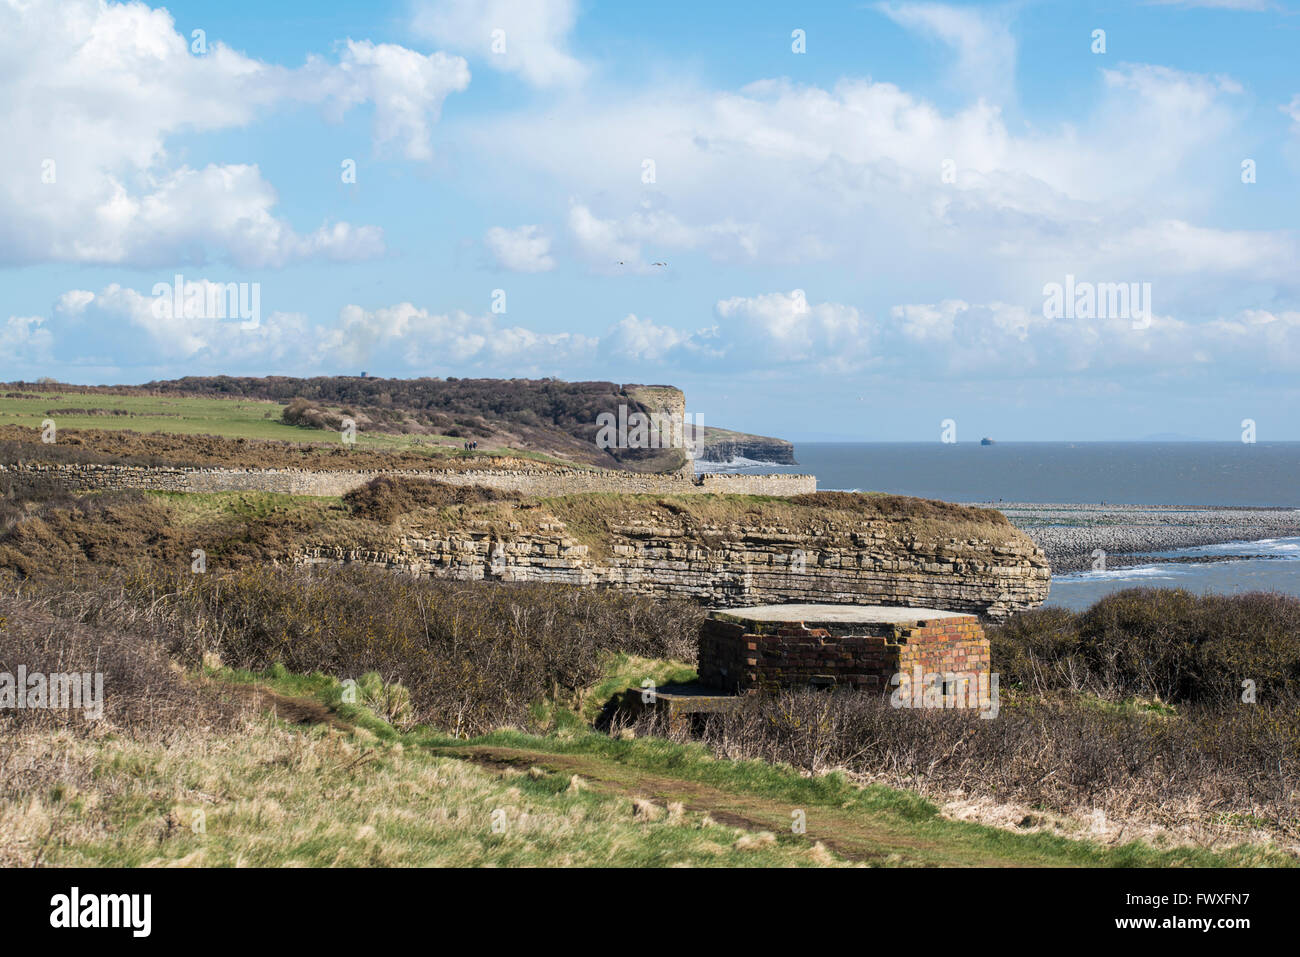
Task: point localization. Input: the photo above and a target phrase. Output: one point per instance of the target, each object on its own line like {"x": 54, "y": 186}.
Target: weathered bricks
{"x": 739, "y": 654}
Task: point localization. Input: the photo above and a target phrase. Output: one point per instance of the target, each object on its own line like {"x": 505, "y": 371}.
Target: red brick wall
{"x": 753, "y": 656}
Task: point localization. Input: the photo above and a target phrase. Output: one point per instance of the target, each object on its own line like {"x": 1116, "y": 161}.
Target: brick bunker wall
{"x": 746, "y": 656}
{"x": 34, "y": 477}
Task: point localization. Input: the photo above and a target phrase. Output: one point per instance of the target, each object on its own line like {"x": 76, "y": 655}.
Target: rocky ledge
{"x": 857, "y": 561}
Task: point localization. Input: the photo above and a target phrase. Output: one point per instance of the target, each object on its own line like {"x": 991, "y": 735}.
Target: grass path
{"x": 848, "y": 835}
{"x": 874, "y": 825}
{"x": 307, "y": 779}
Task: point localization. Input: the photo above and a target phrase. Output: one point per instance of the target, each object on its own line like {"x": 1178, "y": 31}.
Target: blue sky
{"x": 858, "y": 238}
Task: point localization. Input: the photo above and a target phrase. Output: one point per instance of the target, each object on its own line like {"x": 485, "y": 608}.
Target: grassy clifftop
{"x": 123, "y": 528}
{"x": 543, "y": 417}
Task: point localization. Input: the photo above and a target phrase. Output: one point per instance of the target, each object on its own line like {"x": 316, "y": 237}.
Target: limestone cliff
{"x": 724, "y": 445}
{"x": 721, "y": 551}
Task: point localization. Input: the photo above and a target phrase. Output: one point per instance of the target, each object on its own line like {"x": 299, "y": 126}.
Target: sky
{"x": 841, "y": 221}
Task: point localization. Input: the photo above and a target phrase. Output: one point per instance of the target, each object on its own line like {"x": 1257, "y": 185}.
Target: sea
{"x": 1186, "y": 474}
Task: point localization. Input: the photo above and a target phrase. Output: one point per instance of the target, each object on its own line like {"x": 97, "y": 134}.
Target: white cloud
{"x": 424, "y": 339}
{"x": 90, "y": 325}
{"x": 528, "y": 37}
{"x": 948, "y": 341}
{"x": 86, "y": 327}
{"x": 90, "y": 95}
{"x": 406, "y": 87}
{"x": 998, "y": 340}
{"x": 786, "y": 328}
{"x": 25, "y": 338}
{"x": 1252, "y": 6}
{"x": 644, "y": 340}
{"x": 615, "y": 245}
{"x": 1292, "y": 110}
{"x": 522, "y": 249}
{"x": 602, "y": 241}
{"x": 853, "y": 175}
{"x": 981, "y": 39}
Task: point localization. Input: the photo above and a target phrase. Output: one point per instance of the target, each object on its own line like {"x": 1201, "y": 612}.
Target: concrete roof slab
{"x": 838, "y": 614}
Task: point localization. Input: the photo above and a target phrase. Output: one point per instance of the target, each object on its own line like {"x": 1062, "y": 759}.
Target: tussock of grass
{"x": 275, "y": 796}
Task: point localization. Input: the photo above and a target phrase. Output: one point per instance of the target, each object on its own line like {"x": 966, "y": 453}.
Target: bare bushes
{"x": 473, "y": 655}
{"x": 385, "y": 497}
{"x": 1205, "y": 764}
{"x": 136, "y": 690}
{"x": 1157, "y": 643}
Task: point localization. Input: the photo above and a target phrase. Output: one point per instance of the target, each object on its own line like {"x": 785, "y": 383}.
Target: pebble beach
{"x": 1068, "y": 534}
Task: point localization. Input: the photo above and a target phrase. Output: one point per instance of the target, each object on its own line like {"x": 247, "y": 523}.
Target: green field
{"x": 188, "y": 415}
{"x": 227, "y": 418}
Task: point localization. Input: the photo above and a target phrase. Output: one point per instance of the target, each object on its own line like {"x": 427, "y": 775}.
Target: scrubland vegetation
{"x": 225, "y": 693}
{"x": 1133, "y": 708}
{"x": 229, "y": 738}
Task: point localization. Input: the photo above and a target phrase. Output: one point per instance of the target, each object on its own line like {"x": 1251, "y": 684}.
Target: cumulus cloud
{"x": 89, "y": 326}
{"x": 947, "y": 340}
{"x": 522, "y": 249}
{"x": 1292, "y": 110}
{"x": 85, "y": 327}
{"x": 854, "y": 175}
{"x": 26, "y": 337}
{"x": 1011, "y": 341}
{"x": 90, "y": 94}
{"x": 981, "y": 38}
{"x": 425, "y": 339}
{"x": 528, "y": 37}
{"x": 786, "y": 328}
{"x": 767, "y": 331}
{"x": 615, "y": 244}
{"x": 407, "y": 89}
{"x": 643, "y": 340}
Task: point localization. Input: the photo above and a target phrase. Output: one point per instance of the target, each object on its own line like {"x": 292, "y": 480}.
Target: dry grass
{"x": 274, "y": 796}
{"x": 832, "y": 518}
{"x": 472, "y": 655}
{"x": 1229, "y": 773}
{"x": 385, "y": 497}
{"x": 125, "y": 447}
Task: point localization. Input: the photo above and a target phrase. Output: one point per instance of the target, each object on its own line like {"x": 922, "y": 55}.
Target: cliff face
{"x": 723, "y": 445}
{"x": 862, "y": 561}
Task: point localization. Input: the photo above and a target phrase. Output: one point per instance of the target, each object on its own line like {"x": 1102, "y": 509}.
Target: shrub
{"x": 385, "y": 497}
{"x": 472, "y": 655}
{"x": 142, "y": 693}
{"x": 900, "y": 506}
{"x": 1157, "y": 642}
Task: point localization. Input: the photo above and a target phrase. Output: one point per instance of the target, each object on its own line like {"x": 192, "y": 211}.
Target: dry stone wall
{"x": 540, "y": 482}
